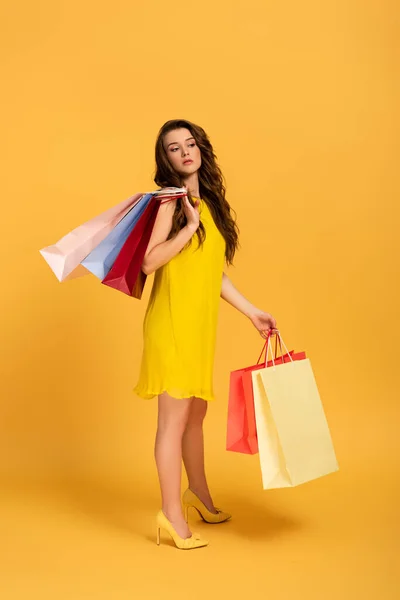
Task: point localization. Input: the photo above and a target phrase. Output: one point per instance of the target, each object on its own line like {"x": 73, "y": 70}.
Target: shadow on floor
{"x": 132, "y": 508}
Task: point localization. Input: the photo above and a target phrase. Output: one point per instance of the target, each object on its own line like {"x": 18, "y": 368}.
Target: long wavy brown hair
{"x": 211, "y": 187}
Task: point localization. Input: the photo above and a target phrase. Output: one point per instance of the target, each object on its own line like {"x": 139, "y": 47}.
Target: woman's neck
{"x": 192, "y": 184}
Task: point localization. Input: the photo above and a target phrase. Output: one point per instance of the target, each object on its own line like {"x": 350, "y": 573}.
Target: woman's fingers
{"x": 190, "y": 206}
{"x": 193, "y": 211}
{"x": 265, "y": 332}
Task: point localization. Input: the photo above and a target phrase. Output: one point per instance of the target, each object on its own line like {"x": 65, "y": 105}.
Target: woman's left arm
{"x": 262, "y": 321}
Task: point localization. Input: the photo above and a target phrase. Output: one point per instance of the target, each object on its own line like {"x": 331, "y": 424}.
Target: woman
{"x": 192, "y": 239}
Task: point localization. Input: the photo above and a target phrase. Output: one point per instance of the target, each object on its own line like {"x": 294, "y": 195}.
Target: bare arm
{"x": 235, "y": 298}
{"x": 160, "y": 250}
{"x": 262, "y": 321}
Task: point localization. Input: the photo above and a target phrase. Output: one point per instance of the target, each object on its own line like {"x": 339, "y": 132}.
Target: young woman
{"x": 192, "y": 239}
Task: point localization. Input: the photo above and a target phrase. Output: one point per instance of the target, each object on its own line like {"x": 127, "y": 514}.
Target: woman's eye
{"x": 192, "y": 144}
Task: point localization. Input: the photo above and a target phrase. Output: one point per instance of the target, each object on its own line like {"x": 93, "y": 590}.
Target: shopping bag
{"x": 241, "y": 433}
{"x": 294, "y": 440}
{"x": 64, "y": 257}
{"x": 126, "y": 275}
{"x": 100, "y": 260}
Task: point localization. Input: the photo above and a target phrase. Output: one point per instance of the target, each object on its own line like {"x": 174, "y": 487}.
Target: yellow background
{"x": 300, "y": 100}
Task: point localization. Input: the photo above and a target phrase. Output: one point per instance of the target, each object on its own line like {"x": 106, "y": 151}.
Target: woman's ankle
{"x": 199, "y": 489}
{"x": 174, "y": 514}
{"x": 204, "y": 495}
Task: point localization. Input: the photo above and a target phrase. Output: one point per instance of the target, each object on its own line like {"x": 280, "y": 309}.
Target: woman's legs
{"x": 193, "y": 452}
{"x": 173, "y": 415}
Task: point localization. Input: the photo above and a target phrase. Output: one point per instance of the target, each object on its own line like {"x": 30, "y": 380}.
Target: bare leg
{"x": 193, "y": 452}
{"x": 172, "y": 418}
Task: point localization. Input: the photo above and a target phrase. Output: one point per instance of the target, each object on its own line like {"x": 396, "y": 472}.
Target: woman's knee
{"x": 198, "y": 411}
{"x": 173, "y": 413}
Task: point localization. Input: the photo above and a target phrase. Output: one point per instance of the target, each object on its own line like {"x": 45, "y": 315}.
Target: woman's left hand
{"x": 264, "y": 322}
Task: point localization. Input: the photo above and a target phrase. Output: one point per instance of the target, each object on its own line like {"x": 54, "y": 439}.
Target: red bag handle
{"x": 266, "y": 345}
{"x": 170, "y": 198}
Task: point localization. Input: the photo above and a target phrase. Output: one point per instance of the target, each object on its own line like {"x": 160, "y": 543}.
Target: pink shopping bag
{"x": 64, "y": 257}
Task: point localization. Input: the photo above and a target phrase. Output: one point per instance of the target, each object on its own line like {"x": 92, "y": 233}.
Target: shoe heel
{"x": 186, "y": 513}
{"x": 194, "y": 541}
{"x": 190, "y": 500}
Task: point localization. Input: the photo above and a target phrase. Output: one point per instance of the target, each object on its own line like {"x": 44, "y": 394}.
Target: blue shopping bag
{"x": 102, "y": 258}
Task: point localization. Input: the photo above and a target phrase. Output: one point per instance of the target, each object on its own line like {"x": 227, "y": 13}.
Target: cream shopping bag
{"x": 294, "y": 440}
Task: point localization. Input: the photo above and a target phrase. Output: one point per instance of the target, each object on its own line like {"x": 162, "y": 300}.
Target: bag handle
{"x": 170, "y": 198}
{"x": 267, "y": 346}
{"x": 280, "y": 340}
{"x": 169, "y": 191}
{"x": 265, "y": 349}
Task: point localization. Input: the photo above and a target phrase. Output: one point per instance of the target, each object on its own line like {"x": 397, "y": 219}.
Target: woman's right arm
{"x": 160, "y": 250}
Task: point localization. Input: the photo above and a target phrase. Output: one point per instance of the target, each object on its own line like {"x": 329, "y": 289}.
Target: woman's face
{"x": 182, "y": 151}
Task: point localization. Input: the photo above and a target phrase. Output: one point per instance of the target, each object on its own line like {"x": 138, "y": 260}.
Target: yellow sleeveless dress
{"x": 180, "y": 324}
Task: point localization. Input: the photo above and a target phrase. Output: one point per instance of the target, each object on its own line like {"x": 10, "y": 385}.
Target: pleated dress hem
{"x": 148, "y": 395}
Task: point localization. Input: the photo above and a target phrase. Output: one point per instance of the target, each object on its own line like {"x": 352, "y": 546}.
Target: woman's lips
{"x": 187, "y": 162}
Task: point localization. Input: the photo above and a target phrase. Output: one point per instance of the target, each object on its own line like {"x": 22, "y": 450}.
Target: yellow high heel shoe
{"x": 190, "y": 500}
{"x": 194, "y": 541}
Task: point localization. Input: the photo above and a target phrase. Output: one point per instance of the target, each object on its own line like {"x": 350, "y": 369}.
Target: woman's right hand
{"x": 192, "y": 213}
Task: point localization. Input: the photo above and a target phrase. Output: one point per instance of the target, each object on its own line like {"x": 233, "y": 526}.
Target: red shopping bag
{"x": 241, "y": 435}
{"x": 241, "y": 427}
{"x": 126, "y": 274}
